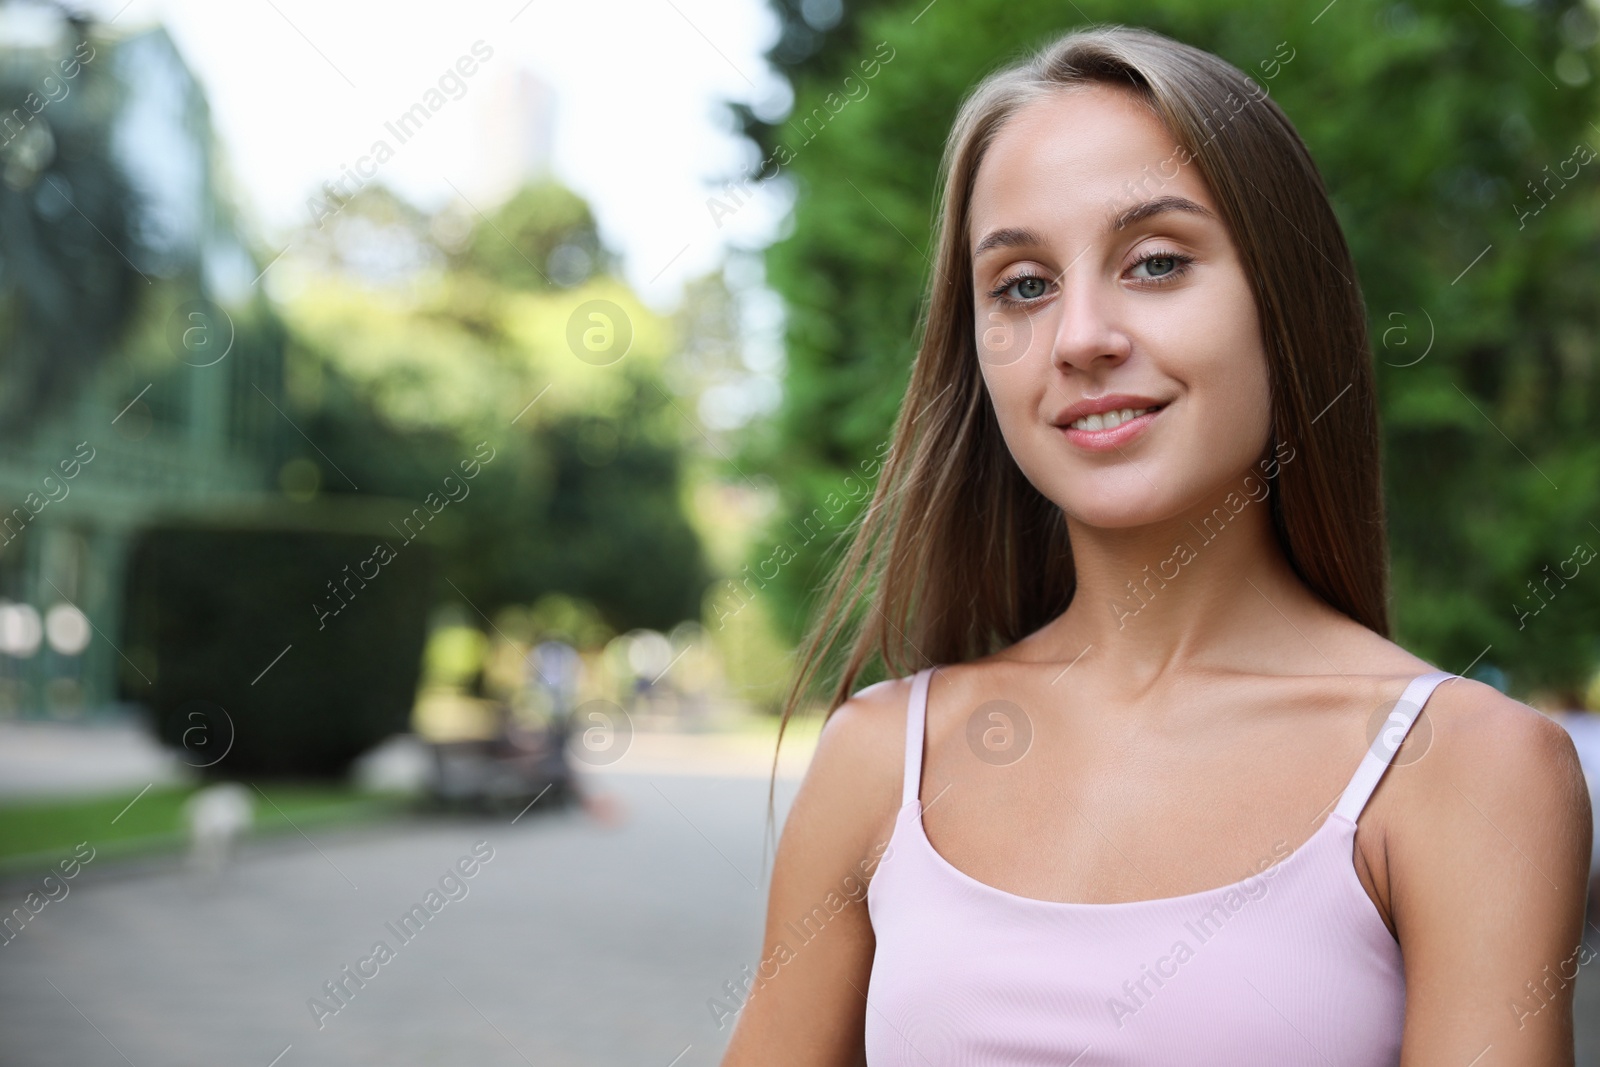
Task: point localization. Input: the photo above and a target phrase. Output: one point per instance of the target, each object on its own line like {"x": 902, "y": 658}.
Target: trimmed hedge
{"x": 212, "y": 610}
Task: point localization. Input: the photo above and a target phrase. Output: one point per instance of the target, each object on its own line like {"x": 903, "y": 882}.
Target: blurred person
{"x": 217, "y": 816}
{"x": 1144, "y": 784}
{"x": 556, "y": 667}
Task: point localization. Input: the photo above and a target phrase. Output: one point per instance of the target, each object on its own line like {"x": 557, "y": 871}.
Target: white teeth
{"x": 1109, "y": 419}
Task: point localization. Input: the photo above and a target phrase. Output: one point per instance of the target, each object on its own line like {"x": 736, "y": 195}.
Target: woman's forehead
{"x": 1081, "y": 155}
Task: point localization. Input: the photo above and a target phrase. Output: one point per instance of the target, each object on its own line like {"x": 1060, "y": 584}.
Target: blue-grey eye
{"x": 1171, "y": 264}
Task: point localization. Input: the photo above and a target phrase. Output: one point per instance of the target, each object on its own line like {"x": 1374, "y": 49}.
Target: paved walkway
{"x": 42, "y": 758}
{"x": 577, "y": 943}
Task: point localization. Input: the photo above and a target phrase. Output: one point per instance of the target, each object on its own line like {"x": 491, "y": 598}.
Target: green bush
{"x": 212, "y": 611}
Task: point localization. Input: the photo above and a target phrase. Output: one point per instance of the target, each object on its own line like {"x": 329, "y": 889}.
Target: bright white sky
{"x": 638, "y": 129}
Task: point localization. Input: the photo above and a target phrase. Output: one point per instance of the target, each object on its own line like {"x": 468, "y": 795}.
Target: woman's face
{"x": 1071, "y": 311}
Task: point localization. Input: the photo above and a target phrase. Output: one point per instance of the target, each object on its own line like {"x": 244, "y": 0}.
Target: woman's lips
{"x": 1117, "y": 437}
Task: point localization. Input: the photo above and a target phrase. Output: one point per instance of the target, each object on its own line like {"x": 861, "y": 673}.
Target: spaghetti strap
{"x": 916, "y": 715}
{"x": 984, "y": 975}
{"x": 1381, "y": 752}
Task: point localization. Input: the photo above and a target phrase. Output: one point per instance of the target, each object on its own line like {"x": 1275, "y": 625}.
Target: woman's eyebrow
{"x": 1018, "y": 237}
{"x": 1008, "y": 237}
{"x": 1149, "y": 208}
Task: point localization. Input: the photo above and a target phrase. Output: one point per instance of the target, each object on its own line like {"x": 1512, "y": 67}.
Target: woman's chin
{"x": 1101, "y": 514}
{"x": 1113, "y": 499}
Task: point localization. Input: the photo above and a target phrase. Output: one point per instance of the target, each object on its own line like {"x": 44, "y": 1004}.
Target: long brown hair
{"x": 957, "y": 554}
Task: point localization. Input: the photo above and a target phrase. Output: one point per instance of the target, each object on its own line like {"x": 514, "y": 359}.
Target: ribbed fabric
{"x": 1291, "y": 966}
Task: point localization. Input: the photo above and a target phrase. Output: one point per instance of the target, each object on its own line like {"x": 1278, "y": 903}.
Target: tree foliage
{"x": 67, "y": 224}
{"x": 400, "y": 384}
{"x": 544, "y": 237}
{"x": 1450, "y": 140}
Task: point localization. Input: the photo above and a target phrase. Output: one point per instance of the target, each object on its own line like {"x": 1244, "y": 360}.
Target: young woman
{"x": 1150, "y": 784}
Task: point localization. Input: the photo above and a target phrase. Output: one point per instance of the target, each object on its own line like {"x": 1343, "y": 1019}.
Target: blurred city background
{"x": 424, "y": 430}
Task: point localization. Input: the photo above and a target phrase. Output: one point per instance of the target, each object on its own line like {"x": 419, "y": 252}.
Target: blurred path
{"x": 576, "y": 944}
{"x": 742, "y": 755}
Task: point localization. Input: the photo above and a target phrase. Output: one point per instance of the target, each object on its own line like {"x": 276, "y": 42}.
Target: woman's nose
{"x": 1087, "y": 323}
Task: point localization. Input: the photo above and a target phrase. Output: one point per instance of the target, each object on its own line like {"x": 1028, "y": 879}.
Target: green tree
{"x": 67, "y": 223}
{"x": 1437, "y": 128}
{"x": 399, "y": 383}
{"x": 543, "y": 237}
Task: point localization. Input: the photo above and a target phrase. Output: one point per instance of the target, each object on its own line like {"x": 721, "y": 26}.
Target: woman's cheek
{"x": 1008, "y": 392}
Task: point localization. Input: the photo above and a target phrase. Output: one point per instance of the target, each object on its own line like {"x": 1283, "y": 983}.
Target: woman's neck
{"x": 1198, "y": 588}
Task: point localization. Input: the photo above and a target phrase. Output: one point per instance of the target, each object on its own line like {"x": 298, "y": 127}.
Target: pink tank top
{"x": 1291, "y": 966}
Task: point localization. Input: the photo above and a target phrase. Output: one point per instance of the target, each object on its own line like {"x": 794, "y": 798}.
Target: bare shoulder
{"x": 854, "y": 780}
{"x": 1498, "y": 744}
{"x": 808, "y": 1008}
{"x": 864, "y": 741}
{"x": 872, "y": 714}
{"x": 1488, "y": 855}
{"x": 1489, "y": 754}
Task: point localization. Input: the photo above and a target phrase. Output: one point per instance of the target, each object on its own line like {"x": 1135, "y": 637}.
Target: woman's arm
{"x": 1488, "y": 856}
{"x": 808, "y": 1006}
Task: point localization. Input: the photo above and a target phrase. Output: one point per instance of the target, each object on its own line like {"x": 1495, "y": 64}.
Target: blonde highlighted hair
{"x": 957, "y": 554}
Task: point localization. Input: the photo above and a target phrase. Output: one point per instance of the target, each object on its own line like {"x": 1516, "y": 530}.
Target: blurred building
{"x": 144, "y": 436}
{"x": 513, "y": 135}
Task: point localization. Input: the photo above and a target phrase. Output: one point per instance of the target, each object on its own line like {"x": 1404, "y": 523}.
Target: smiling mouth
{"x": 1110, "y": 420}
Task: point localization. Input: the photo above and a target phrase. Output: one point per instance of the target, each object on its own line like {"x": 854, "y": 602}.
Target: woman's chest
{"x": 1098, "y": 817}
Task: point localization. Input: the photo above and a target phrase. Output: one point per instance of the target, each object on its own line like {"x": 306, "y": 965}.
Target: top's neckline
{"x": 1333, "y": 818}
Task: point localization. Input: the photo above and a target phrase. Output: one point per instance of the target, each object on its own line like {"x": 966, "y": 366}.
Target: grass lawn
{"x": 35, "y": 833}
